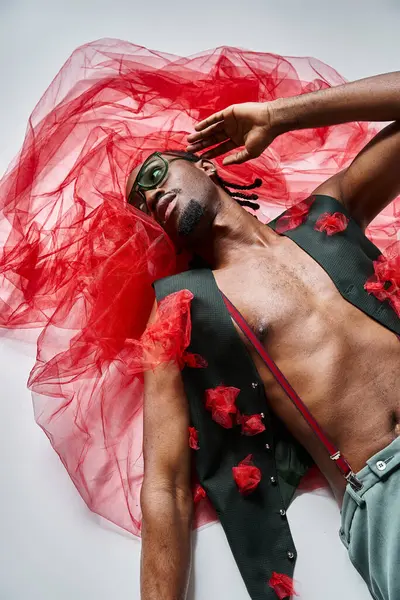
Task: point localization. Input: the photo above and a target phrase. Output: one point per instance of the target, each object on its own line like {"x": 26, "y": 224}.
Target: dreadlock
{"x": 240, "y": 197}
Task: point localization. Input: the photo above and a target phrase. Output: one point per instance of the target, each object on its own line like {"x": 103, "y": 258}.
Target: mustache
{"x": 172, "y": 191}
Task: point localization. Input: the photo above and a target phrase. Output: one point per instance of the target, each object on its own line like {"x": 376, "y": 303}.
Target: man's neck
{"x": 235, "y": 233}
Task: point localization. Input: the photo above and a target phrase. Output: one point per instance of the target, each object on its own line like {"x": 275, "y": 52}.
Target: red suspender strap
{"x": 334, "y": 453}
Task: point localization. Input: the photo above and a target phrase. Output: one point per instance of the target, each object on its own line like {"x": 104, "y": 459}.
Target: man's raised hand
{"x": 249, "y": 124}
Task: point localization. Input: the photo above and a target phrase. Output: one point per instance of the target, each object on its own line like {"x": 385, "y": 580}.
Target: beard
{"x": 190, "y": 218}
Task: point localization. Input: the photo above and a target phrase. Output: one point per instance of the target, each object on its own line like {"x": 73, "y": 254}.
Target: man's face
{"x": 177, "y": 192}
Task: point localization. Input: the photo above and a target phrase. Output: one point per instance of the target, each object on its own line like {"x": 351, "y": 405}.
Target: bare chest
{"x": 287, "y": 298}
{"x": 336, "y": 357}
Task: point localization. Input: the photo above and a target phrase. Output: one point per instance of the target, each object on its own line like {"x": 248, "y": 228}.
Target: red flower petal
{"x": 294, "y": 216}
{"x": 194, "y": 361}
{"x": 331, "y": 223}
{"x": 221, "y": 402}
{"x": 385, "y": 283}
{"x": 199, "y": 493}
{"x": 251, "y": 424}
{"x": 282, "y": 585}
{"x": 193, "y": 438}
{"x": 246, "y": 476}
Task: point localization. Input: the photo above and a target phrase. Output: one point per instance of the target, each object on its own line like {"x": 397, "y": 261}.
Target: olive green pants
{"x": 371, "y": 523}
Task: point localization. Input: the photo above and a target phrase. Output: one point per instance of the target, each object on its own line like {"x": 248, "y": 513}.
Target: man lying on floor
{"x": 297, "y": 324}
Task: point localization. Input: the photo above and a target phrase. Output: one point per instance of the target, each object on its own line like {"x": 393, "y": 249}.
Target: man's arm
{"x": 373, "y": 178}
{"x": 371, "y": 181}
{"x": 166, "y": 497}
{"x": 372, "y": 99}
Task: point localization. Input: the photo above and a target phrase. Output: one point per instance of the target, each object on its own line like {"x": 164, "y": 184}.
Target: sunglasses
{"x": 152, "y": 173}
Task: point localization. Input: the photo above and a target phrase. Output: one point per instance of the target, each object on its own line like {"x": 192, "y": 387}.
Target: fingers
{"x": 206, "y": 133}
{"x": 237, "y": 158}
{"x": 221, "y": 149}
{"x": 206, "y": 143}
{"x": 218, "y": 116}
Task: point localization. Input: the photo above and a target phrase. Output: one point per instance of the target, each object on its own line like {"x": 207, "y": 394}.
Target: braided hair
{"x": 242, "y": 199}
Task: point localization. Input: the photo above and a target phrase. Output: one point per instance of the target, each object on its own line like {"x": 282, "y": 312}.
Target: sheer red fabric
{"x": 251, "y": 424}
{"x": 199, "y": 493}
{"x": 332, "y": 223}
{"x": 246, "y": 475}
{"x": 194, "y": 438}
{"x": 220, "y": 401}
{"x": 282, "y": 585}
{"x": 78, "y": 263}
{"x": 295, "y": 216}
{"x": 385, "y": 284}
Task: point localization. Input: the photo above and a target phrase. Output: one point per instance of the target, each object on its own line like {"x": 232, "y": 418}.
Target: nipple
{"x": 262, "y": 332}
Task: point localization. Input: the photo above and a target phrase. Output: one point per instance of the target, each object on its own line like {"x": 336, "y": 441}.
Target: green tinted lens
{"x": 152, "y": 173}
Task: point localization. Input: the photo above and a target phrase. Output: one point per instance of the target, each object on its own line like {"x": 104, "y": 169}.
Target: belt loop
{"x": 354, "y": 482}
{"x": 355, "y": 495}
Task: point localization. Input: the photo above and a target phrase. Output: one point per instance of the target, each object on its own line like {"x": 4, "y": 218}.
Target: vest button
{"x": 254, "y": 385}
{"x": 272, "y": 480}
{"x": 282, "y": 512}
{"x": 290, "y": 555}
{"x": 267, "y": 447}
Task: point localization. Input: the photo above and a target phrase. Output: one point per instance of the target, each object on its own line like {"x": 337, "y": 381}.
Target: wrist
{"x": 283, "y": 115}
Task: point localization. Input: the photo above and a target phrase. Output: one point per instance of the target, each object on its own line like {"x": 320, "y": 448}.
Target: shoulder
{"x": 332, "y": 187}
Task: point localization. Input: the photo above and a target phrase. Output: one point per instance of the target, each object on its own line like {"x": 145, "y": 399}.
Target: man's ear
{"x": 207, "y": 166}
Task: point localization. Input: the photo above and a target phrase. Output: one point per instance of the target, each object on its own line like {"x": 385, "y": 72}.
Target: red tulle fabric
{"x": 246, "y": 475}
{"x": 165, "y": 339}
{"x": 194, "y": 361}
{"x": 313, "y": 480}
{"x": 385, "y": 283}
{"x": 282, "y": 585}
{"x": 194, "y": 438}
{"x": 78, "y": 263}
{"x": 332, "y": 223}
{"x": 221, "y": 402}
{"x": 199, "y": 493}
{"x": 251, "y": 424}
{"x": 295, "y": 216}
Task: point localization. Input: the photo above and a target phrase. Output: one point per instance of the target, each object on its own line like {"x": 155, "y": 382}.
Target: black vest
{"x": 256, "y": 525}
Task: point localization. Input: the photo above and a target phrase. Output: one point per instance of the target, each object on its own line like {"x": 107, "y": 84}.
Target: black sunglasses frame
{"x": 138, "y": 188}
